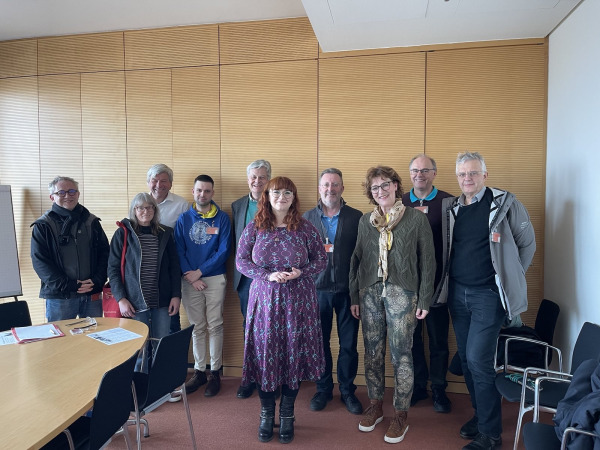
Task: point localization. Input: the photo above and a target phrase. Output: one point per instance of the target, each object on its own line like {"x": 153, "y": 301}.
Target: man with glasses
{"x": 203, "y": 239}
{"x": 243, "y": 211}
{"x": 425, "y": 197}
{"x": 69, "y": 252}
{"x": 489, "y": 243}
{"x": 338, "y": 228}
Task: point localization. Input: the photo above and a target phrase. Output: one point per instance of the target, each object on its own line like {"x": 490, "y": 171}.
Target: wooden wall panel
{"x": 149, "y": 125}
{"x": 104, "y": 143}
{"x": 18, "y": 58}
{"x": 60, "y": 130}
{"x": 493, "y": 101}
{"x": 20, "y": 168}
{"x": 270, "y": 111}
{"x": 371, "y": 112}
{"x": 275, "y": 40}
{"x": 82, "y": 53}
{"x": 172, "y": 47}
{"x": 196, "y": 133}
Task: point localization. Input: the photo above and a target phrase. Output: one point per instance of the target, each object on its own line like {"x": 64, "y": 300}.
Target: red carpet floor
{"x": 226, "y": 422}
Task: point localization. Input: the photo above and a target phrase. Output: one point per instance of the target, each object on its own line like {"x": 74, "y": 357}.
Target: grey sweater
{"x": 411, "y": 260}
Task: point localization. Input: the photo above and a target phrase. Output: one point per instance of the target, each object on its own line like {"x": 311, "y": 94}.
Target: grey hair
{"x": 259, "y": 163}
{"x": 334, "y": 171}
{"x": 58, "y": 179}
{"x": 470, "y": 156}
{"x": 423, "y": 155}
{"x": 157, "y": 169}
{"x": 138, "y": 200}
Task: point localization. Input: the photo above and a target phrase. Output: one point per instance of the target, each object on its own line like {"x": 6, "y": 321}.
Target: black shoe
{"x": 286, "y": 419}
{"x": 470, "y": 430}
{"x": 418, "y": 395}
{"x": 319, "y": 401}
{"x": 484, "y": 442}
{"x": 246, "y": 391}
{"x": 267, "y": 419}
{"x": 195, "y": 382}
{"x": 441, "y": 403}
{"x": 214, "y": 384}
{"x": 352, "y": 403}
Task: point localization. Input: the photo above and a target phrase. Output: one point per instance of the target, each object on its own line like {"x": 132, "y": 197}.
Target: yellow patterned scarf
{"x": 385, "y": 224}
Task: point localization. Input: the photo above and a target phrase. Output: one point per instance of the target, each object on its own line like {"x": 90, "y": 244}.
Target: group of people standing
{"x": 416, "y": 257}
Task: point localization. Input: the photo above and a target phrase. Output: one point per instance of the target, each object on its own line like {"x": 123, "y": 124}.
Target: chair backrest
{"x": 112, "y": 404}
{"x": 169, "y": 367}
{"x": 545, "y": 321}
{"x": 587, "y": 345}
{"x": 14, "y": 314}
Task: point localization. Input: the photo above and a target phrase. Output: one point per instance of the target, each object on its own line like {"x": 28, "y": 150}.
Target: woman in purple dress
{"x": 280, "y": 251}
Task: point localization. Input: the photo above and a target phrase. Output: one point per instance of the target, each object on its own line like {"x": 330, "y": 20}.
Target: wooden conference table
{"x": 46, "y": 385}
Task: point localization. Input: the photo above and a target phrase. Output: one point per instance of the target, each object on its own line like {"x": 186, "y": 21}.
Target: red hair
{"x": 265, "y": 219}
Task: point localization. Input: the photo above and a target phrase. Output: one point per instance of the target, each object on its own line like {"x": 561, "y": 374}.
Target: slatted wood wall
{"x": 210, "y": 99}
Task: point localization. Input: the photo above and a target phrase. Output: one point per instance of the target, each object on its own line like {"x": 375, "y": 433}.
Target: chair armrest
{"x": 548, "y": 348}
{"x": 562, "y": 378}
{"x": 569, "y": 430}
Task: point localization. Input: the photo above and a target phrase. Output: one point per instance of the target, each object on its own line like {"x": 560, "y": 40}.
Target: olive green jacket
{"x": 411, "y": 260}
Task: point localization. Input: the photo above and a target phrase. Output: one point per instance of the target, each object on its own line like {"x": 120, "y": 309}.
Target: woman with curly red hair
{"x": 280, "y": 251}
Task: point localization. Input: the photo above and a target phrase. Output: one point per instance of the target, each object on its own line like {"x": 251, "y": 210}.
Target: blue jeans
{"x": 437, "y": 322}
{"x": 159, "y": 322}
{"x": 477, "y": 316}
{"x": 243, "y": 291}
{"x": 70, "y": 308}
{"x": 347, "y": 328}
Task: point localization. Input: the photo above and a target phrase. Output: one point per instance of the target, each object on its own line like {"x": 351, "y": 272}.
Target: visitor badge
{"x": 212, "y": 230}
{"x": 496, "y": 237}
{"x": 424, "y": 209}
{"x": 328, "y": 248}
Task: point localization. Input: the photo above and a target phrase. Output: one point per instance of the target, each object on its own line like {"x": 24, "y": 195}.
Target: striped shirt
{"x": 149, "y": 266}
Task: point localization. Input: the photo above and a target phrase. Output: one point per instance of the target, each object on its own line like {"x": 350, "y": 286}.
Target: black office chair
{"x": 166, "y": 374}
{"x": 109, "y": 414}
{"x": 576, "y": 417}
{"x": 521, "y": 353}
{"x": 549, "y": 386}
{"x": 14, "y": 314}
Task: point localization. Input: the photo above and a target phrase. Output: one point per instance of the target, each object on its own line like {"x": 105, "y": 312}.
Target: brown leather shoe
{"x": 372, "y": 416}
{"x": 214, "y": 384}
{"x": 195, "y": 382}
{"x": 398, "y": 428}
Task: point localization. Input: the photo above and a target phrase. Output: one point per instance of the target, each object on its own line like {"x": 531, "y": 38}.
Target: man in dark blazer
{"x": 243, "y": 211}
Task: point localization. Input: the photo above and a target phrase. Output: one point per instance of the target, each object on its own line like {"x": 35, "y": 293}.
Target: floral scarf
{"x": 385, "y": 224}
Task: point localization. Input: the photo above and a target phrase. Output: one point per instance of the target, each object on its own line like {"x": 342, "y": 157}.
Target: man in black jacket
{"x": 338, "y": 227}
{"x": 69, "y": 252}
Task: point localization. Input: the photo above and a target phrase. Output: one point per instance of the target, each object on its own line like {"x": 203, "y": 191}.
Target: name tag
{"x": 424, "y": 209}
{"x": 212, "y": 230}
{"x": 328, "y": 248}
{"x": 496, "y": 237}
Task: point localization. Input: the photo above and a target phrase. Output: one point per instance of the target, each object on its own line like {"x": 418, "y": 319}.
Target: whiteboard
{"x": 10, "y": 275}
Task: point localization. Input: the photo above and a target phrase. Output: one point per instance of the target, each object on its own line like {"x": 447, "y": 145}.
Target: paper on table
{"x": 114, "y": 336}
{"x": 36, "y": 333}
{"x": 7, "y": 338}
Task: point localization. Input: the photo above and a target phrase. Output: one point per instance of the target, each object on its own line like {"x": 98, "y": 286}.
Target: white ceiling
{"x": 338, "y": 24}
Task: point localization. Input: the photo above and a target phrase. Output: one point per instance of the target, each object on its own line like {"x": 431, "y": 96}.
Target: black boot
{"x": 267, "y": 419}
{"x": 286, "y": 419}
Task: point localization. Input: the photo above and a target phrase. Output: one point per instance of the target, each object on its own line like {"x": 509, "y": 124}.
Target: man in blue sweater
{"x": 203, "y": 238}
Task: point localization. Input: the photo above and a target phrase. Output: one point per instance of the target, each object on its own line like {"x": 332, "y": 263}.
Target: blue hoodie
{"x": 203, "y": 243}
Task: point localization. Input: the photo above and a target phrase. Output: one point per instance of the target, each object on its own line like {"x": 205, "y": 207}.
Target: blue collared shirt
{"x": 475, "y": 199}
{"x": 330, "y": 224}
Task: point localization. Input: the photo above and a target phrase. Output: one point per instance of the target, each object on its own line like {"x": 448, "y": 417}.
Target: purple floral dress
{"x": 283, "y": 341}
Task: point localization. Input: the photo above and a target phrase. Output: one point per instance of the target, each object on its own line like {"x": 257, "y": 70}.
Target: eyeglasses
{"x": 144, "y": 208}
{"x": 277, "y": 193}
{"x": 331, "y": 185}
{"x": 423, "y": 171}
{"x": 63, "y": 193}
{"x": 383, "y": 186}
{"x": 471, "y": 174}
